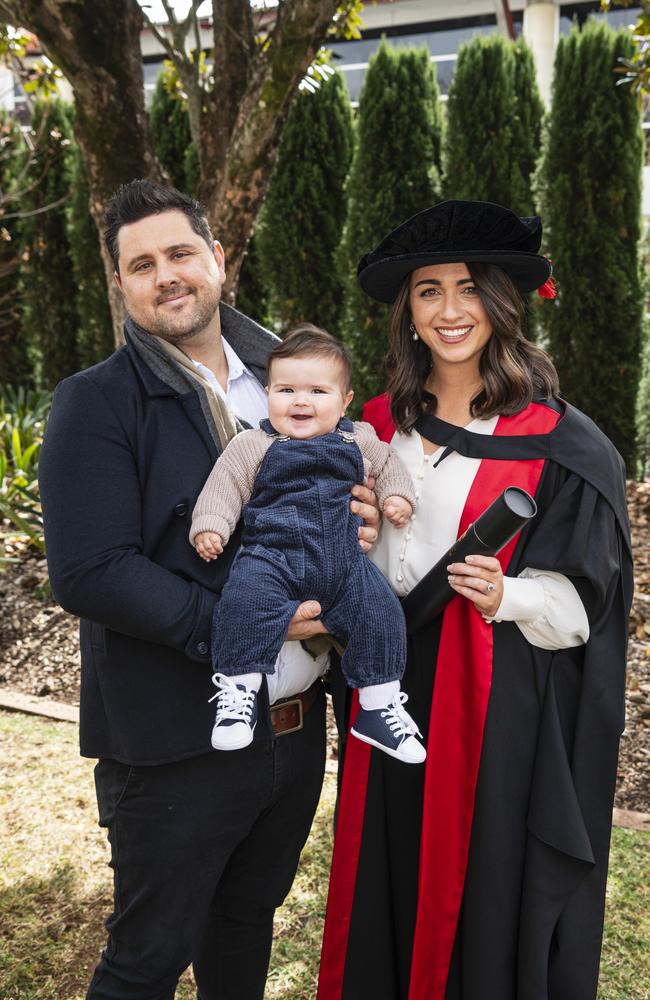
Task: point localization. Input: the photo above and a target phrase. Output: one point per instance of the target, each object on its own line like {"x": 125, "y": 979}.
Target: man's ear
{"x": 117, "y": 279}
{"x": 266, "y": 389}
{"x": 219, "y": 256}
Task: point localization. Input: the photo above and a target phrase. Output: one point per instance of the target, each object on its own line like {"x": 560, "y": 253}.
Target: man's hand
{"x": 366, "y": 506}
{"x": 305, "y": 623}
{"x": 208, "y": 544}
{"x": 398, "y": 511}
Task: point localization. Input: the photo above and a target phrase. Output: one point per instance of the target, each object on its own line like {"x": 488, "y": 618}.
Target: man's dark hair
{"x": 139, "y": 199}
{"x": 308, "y": 341}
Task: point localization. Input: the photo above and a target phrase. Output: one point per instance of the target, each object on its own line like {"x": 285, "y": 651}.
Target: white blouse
{"x": 545, "y": 606}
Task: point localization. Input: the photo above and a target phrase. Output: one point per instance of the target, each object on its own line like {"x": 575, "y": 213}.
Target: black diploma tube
{"x": 485, "y": 537}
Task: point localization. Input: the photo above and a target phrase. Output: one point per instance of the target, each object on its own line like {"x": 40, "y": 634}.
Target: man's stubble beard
{"x": 202, "y": 315}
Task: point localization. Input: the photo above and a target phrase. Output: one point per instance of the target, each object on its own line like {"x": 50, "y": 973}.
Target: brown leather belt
{"x": 287, "y": 714}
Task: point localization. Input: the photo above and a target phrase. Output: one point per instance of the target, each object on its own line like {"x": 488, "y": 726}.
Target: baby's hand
{"x": 397, "y": 510}
{"x": 208, "y": 544}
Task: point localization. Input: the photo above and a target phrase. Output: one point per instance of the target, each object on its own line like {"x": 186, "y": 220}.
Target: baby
{"x": 292, "y": 478}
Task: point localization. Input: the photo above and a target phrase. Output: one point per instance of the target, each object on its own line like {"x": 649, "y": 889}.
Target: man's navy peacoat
{"x": 123, "y": 461}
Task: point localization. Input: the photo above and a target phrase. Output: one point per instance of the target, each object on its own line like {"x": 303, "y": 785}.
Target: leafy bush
{"x": 304, "y": 212}
{"x": 591, "y": 206}
{"x": 23, "y": 413}
{"x": 395, "y": 173}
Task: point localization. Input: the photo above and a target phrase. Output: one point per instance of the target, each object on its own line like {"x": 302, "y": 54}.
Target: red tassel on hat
{"x": 547, "y": 290}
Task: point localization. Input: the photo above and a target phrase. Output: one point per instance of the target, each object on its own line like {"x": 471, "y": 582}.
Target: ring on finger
{"x": 490, "y": 588}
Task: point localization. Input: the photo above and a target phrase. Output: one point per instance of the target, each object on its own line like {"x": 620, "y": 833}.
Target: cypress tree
{"x": 494, "y": 124}
{"x": 170, "y": 128}
{"x": 395, "y": 173}
{"x": 480, "y": 113}
{"x": 527, "y": 125}
{"x": 16, "y": 362}
{"x": 252, "y": 292}
{"x": 304, "y": 211}
{"x": 95, "y": 337}
{"x": 48, "y": 288}
{"x": 591, "y": 180}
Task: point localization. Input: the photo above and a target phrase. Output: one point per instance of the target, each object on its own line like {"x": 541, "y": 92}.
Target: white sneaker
{"x": 236, "y": 714}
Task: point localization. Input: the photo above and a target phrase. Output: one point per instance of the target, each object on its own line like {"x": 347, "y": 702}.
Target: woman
{"x": 481, "y": 876}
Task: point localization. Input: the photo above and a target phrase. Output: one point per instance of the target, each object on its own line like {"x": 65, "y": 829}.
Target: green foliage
{"x": 23, "y": 414}
{"x": 634, "y": 69}
{"x": 395, "y": 173}
{"x": 95, "y": 333}
{"x": 39, "y": 77}
{"x": 643, "y": 402}
{"x": 591, "y": 180}
{"x": 15, "y": 358}
{"x": 494, "y": 121}
{"x": 252, "y": 291}
{"x": 479, "y": 121}
{"x": 304, "y": 212}
{"x": 527, "y": 123}
{"x": 171, "y": 128}
{"x": 48, "y": 288}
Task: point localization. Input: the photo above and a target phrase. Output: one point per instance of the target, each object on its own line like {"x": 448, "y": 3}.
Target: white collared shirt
{"x": 295, "y": 668}
{"x": 545, "y": 606}
{"x": 244, "y": 395}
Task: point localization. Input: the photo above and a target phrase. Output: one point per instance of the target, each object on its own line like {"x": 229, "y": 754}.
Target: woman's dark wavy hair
{"x": 513, "y": 369}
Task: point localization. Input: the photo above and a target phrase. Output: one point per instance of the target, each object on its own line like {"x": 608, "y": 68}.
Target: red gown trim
{"x": 458, "y": 711}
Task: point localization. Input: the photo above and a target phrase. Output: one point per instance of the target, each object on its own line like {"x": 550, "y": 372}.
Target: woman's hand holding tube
{"x": 480, "y": 580}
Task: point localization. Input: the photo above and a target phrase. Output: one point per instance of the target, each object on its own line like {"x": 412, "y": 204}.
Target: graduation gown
{"x": 481, "y": 876}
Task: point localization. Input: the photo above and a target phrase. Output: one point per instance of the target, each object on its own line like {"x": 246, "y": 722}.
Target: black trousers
{"x": 203, "y": 851}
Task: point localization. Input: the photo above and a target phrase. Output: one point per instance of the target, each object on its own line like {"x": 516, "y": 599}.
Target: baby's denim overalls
{"x": 300, "y": 543}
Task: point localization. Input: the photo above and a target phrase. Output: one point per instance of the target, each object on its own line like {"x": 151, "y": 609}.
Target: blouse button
{"x": 401, "y": 557}
{"x": 417, "y": 495}
{"x": 399, "y": 577}
{"x": 409, "y": 534}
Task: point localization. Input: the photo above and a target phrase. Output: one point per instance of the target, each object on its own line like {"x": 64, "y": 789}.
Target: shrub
{"x": 95, "y": 333}
{"x": 395, "y": 173}
{"x": 47, "y": 284}
{"x": 591, "y": 185}
{"x": 23, "y": 413}
{"x": 304, "y": 211}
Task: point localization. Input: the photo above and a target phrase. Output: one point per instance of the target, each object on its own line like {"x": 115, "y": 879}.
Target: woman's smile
{"x": 453, "y": 335}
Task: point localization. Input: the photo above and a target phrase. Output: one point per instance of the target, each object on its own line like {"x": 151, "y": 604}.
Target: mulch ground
{"x": 39, "y": 649}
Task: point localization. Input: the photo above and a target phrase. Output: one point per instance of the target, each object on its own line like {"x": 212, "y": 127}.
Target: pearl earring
{"x": 413, "y": 331}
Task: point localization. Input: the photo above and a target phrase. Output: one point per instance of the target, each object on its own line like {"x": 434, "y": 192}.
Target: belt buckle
{"x": 289, "y": 704}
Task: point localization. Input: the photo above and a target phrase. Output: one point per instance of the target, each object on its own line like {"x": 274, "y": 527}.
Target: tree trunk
{"x": 249, "y": 111}
{"x": 97, "y": 47}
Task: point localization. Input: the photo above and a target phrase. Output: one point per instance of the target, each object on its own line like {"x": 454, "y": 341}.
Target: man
{"x": 204, "y": 845}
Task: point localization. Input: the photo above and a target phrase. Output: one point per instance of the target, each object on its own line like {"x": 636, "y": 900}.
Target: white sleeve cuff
{"x": 522, "y": 601}
{"x": 546, "y": 608}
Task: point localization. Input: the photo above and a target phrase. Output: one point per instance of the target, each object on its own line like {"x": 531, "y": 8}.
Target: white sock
{"x": 378, "y": 695}
{"x": 251, "y": 681}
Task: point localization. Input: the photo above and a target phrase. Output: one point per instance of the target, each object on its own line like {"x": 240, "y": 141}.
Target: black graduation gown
{"x": 529, "y": 925}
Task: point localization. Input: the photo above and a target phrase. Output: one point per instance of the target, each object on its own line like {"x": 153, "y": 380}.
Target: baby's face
{"x": 307, "y": 396}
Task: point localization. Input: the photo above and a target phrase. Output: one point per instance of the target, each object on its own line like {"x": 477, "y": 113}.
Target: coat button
{"x": 180, "y": 509}
{"x": 202, "y": 647}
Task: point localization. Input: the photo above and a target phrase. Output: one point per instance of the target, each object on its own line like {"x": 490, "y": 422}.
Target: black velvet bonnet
{"x": 456, "y": 232}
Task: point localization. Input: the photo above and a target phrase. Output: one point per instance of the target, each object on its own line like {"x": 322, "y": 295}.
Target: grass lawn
{"x": 55, "y": 887}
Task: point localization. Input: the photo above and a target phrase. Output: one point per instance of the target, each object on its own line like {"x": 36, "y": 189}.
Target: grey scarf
{"x": 173, "y": 367}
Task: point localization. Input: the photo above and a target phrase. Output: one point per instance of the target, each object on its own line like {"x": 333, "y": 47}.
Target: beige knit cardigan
{"x": 229, "y": 486}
